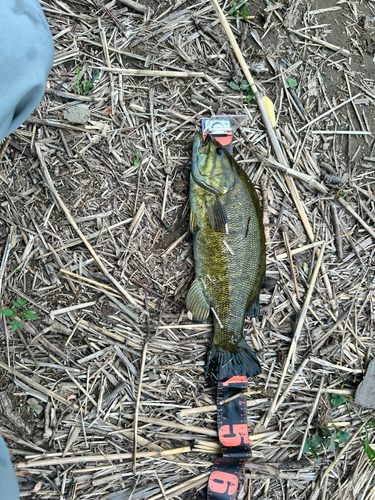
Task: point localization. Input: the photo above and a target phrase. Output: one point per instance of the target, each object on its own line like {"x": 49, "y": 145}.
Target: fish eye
{"x": 219, "y": 151}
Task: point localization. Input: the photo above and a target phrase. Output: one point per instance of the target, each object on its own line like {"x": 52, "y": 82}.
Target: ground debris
{"x": 123, "y": 178}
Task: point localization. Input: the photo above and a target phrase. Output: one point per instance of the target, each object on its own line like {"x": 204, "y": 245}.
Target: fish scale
{"x": 229, "y": 258}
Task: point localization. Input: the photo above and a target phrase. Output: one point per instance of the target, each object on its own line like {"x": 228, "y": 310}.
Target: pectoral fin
{"x": 196, "y": 302}
{"x": 217, "y": 216}
{"x": 193, "y": 222}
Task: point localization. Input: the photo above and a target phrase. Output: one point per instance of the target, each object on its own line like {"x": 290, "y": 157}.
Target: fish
{"x": 229, "y": 253}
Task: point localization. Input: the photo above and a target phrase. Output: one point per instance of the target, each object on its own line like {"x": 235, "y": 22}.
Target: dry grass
{"x": 113, "y": 343}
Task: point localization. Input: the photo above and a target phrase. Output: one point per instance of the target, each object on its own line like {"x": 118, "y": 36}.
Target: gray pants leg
{"x": 26, "y": 56}
{"x": 8, "y": 481}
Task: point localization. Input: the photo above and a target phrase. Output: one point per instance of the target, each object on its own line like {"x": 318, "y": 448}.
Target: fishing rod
{"x": 264, "y": 103}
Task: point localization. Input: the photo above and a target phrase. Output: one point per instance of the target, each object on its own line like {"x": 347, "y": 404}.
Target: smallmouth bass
{"x": 229, "y": 253}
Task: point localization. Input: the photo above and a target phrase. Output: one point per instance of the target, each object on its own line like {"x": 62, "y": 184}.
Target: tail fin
{"x": 239, "y": 360}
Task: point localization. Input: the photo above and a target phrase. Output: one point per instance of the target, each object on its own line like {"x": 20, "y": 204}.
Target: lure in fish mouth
{"x": 229, "y": 253}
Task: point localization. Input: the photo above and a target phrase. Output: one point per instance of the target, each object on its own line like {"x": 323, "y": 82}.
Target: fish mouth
{"x": 204, "y": 148}
{"x": 200, "y": 148}
{"x": 200, "y": 145}
{"x": 206, "y": 140}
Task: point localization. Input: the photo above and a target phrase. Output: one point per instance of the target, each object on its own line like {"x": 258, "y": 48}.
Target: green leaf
{"x": 248, "y": 99}
{"x": 234, "y": 86}
{"x": 30, "y": 315}
{"x": 233, "y": 9}
{"x": 342, "y": 194}
{"x": 7, "y": 312}
{"x": 245, "y": 85}
{"x": 20, "y": 302}
{"x": 292, "y": 83}
{"x": 137, "y": 160}
{"x": 298, "y": 91}
{"x": 330, "y": 444}
{"x": 342, "y": 436}
{"x": 369, "y": 451}
{"x": 315, "y": 442}
{"x": 86, "y": 87}
{"x": 14, "y": 326}
{"x": 337, "y": 400}
{"x": 306, "y": 446}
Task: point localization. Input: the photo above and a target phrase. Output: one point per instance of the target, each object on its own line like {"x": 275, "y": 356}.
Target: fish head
{"x": 212, "y": 165}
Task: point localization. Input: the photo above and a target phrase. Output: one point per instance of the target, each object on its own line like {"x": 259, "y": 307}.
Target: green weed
{"x": 366, "y": 446}
{"x": 327, "y": 439}
{"x": 137, "y": 159}
{"x": 338, "y": 399}
{"x": 293, "y": 85}
{"x": 342, "y": 194}
{"x": 365, "y": 442}
{"x": 324, "y": 439}
{"x": 19, "y": 309}
{"x": 239, "y": 9}
{"x": 85, "y": 86}
{"x": 245, "y": 87}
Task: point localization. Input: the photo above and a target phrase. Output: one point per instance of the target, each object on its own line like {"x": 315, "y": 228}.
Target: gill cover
{"x": 212, "y": 165}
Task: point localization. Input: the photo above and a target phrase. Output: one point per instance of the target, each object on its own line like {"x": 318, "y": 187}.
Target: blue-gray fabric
{"x": 8, "y": 481}
{"x": 26, "y": 56}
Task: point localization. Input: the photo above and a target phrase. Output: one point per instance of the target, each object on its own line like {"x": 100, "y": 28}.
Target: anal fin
{"x": 196, "y": 302}
{"x": 254, "y": 308}
{"x": 268, "y": 283}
